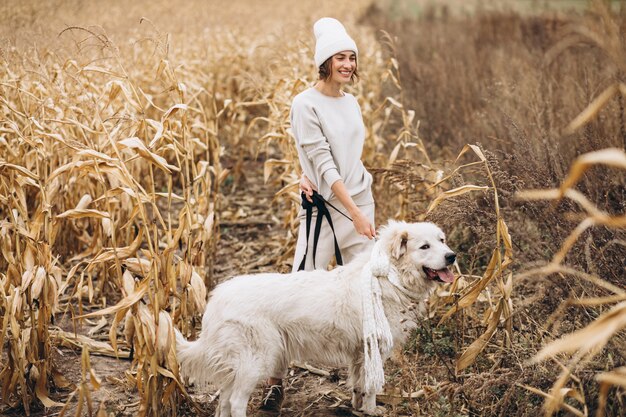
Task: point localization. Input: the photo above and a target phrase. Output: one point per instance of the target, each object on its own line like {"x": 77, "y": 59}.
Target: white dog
{"x": 254, "y": 325}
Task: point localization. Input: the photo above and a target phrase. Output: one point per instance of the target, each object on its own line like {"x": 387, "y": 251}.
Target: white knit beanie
{"x": 331, "y": 37}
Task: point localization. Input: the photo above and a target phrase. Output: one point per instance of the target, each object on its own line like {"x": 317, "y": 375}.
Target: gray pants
{"x": 350, "y": 243}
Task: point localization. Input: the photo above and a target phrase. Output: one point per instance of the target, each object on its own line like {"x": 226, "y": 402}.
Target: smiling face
{"x": 340, "y": 68}
{"x": 419, "y": 250}
{"x": 343, "y": 66}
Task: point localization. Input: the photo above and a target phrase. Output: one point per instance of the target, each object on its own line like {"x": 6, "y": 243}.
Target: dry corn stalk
{"x": 501, "y": 310}
{"x": 84, "y": 187}
{"x": 583, "y": 344}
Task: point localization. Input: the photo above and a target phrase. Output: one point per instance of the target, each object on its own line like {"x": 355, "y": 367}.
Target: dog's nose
{"x": 450, "y": 257}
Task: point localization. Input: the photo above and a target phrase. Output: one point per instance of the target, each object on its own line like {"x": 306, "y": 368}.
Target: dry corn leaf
{"x": 82, "y": 213}
{"x": 572, "y": 393}
{"x": 137, "y": 145}
{"x": 454, "y": 193}
{"x": 128, "y": 283}
{"x": 41, "y": 391}
{"x": 271, "y": 164}
{"x": 172, "y": 110}
{"x": 99, "y": 326}
{"x": 27, "y": 278}
{"x": 158, "y": 126}
{"x": 172, "y": 196}
{"x": 503, "y": 232}
{"x": 598, "y": 301}
{"x": 591, "y": 110}
{"x": 616, "y": 377}
{"x": 124, "y": 303}
{"x": 95, "y": 154}
{"x": 129, "y": 327}
{"x": 28, "y": 258}
{"x": 138, "y": 266}
{"x": 591, "y": 339}
{"x": 476, "y": 288}
{"x": 110, "y": 254}
{"x": 96, "y": 167}
{"x": 392, "y": 398}
{"x": 474, "y": 149}
{"x": 5, "y": 166}
{"x": 164, "y": 335}
{"x": 59, "y": 379}
{"x": 84, "y": 202}
{"x": 596, "y": 215}
{"x": 208, "y": 224}
{"x": 469, "y": 356}
{"x": 147, "y": 328}
{"x": 394, "y": 154}
{"x": 70, "y": 339}
{"x": 550, "y": 397}
{"x": 93, "y": 68}
{"x": 38, "y": 282}
{"x": 612, "y": 157}
{"x": 94, "y": 379}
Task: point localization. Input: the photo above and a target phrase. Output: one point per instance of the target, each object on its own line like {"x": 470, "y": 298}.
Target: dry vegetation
{"x": 130, "y": 134}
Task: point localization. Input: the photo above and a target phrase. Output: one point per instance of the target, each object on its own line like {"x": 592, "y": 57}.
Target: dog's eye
{"x": 426, "y": 246}
{"x": 443, "y": 241}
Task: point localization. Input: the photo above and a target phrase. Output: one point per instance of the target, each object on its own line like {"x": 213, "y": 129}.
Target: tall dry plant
{"x": 580, "y": 347}
{"x": 583, "y": 345}
{"x": 122, "y": 190}
{"x": 541, "y": 68}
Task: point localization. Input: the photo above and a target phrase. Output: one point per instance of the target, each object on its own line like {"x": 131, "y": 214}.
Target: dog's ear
{"x": 398, "y": 244}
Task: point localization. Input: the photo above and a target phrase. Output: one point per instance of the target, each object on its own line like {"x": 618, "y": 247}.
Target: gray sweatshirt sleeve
{"x": 309, "y": 136}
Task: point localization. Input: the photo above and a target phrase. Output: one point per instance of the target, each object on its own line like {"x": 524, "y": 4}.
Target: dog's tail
{"x": 197, "y": 365}
{"x": 191, "y": 359}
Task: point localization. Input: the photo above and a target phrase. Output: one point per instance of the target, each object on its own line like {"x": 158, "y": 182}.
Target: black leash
{"x": 336, "y": 209}
{"x": 322, "y": 211}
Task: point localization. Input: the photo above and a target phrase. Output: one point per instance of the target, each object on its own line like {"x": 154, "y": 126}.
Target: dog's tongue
{"x": 445, "y": 275}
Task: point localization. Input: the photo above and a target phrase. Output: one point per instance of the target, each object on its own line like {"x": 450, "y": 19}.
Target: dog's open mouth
{"x": 441, "y": 275}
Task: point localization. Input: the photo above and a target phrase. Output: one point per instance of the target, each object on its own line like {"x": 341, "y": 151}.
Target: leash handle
{"x": 320, "y": 203}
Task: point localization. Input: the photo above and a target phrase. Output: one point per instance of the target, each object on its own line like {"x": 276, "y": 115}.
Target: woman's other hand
{"x": 362, "y": 225}
{"x": 307, "y": 187}
{"x": 360, "y": 221}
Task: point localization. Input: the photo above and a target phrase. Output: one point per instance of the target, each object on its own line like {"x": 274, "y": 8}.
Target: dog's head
{"x": 418, "y": 251}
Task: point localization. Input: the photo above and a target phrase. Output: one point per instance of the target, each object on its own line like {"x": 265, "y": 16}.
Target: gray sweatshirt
{"x": 329, "y": 134}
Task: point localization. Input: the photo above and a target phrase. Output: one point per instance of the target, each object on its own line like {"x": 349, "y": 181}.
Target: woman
{"x": 329, "y": 131}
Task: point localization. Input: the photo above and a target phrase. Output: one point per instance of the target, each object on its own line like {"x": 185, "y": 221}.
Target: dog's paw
{"x": 375, "y": 411}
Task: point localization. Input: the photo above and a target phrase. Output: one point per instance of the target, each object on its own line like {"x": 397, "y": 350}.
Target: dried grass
{"x": 576, "y": 238}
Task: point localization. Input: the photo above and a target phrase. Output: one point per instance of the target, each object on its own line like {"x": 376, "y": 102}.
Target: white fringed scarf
{"x": 377, "y": 338}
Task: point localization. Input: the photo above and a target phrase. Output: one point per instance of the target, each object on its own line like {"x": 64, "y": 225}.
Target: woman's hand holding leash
{"x": 362, "y": 225}
{"x": 307, "y": 187}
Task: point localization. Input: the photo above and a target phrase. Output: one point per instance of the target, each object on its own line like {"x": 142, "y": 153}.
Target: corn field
{"x": 130, "y": 135}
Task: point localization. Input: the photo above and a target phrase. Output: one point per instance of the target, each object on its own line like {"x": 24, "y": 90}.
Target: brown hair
{"x": 325, "y": 70}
